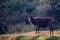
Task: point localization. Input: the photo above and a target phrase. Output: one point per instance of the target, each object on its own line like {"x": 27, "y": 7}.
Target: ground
{"x": 28, "y": 34}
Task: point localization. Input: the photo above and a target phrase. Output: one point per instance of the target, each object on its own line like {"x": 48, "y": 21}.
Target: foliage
{"x": 38, "y": 37}
{"x": 54, "y": 11}
{"x": 20, "y": 37}
{"x": 56, "y": 26}
{"x": 49, "y": 38}
{"x": 42, "y": 37}
{"x": 35, "y": 37}
{"x": 53, "y": 38}
{"x": 14, "y": 12}
{"x": 27, "y": 30}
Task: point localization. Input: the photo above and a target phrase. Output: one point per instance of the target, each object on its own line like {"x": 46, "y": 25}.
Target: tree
{"x": 12, "y": 12}
{"x": 55, "y": 10}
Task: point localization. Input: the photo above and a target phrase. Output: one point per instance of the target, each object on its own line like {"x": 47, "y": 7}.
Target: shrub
{"x": 53, "y": 38}
{"x": 35, "y": 37}
{"x": 48, "y": 38}
{"x": 20, "y": 37}
{"x": 26, "y": 30}
{"x": 42, "y": 37}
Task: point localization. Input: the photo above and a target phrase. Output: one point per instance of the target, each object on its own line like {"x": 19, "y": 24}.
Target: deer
{"x": 42, "y": 22}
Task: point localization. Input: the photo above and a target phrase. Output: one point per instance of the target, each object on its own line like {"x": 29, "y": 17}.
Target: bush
{"x": 53, "y": 38}
{"x": 20, "y": 37}
{"x": 56, "y": 26}
{"x": 42, "y": 37}
{"x": 35, "y": 37}
{"x": 48, "y": 38}
{"x": 26, "y": 30}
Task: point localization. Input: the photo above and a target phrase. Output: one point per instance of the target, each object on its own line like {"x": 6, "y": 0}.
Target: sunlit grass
{"x": 56, "y": 33}
{"x": 38, "y": 37}
{"x": 30, "y": 35}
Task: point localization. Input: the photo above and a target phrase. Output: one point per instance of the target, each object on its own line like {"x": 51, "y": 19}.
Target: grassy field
{"x": 44, "y": 35}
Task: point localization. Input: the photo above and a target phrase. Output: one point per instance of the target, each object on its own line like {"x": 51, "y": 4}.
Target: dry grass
{"x": 28, "y": 34}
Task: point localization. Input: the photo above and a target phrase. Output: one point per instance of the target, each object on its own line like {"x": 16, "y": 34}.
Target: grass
{"x": 49, "y": 38}
{"x": 4, "y": 38}
{"x": 35, "y": 37}
{"x": 21, "y": 37}
{"x": 38, "y": 37}
{"x": 30, "y": 36}
{"x": 53, "y": 38}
